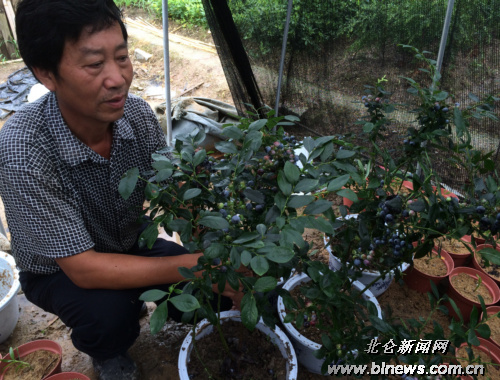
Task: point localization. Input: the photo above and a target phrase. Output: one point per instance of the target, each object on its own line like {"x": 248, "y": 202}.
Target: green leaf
{"x": 306, "y": 185}
{"x": 285, "y": 187}
{"x": 349, "y": 194}
{"x": 186, "y": 273}
{"x": 257, "y": 125}
{"x": 318, "y": 207}
{"x": 191, "y": 193}
{"x": 235, "y": 258}
{"x": 148, "y": 236}
{"x": 233, "y": 132}
{"x": 215, "y": 250}
{"x": 279, "y": 255}
{"x": 151, "y": 191}
{"x": 265, "y": 284}
{"x": 226, "y": 147}
{"x": 215, "y": 222}
{"x": 128, "y": 183}
{"x": 246, "y": 236}
{"x": 255, "y": 196}
{"x": 292, "y": 172}
{"x": 185, "y": 302}
{"x": 368, "y": 127}
{"x": 249, "y": 313}
{"x": 380, "y": 325}
{"x": 338, "y": 182}
{"x": 459, "y": 122}
{"x": 246, "y": 257}
{"x": 341, "y": 154}
{"x": 163, "y": 175}
{"x": 259, "y": 265}
{"x": 158, "y": 318}
{"x": 491, "y": 255}
{"x": 199, "y": 157}
{"x": 484, "y": 330}
{"x": 297, "y": 201}
{"x": 472, "y": 338}
{"x": 152, "y": 295}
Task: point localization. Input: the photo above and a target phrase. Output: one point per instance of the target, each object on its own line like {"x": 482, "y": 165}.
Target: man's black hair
{"x": 43, "y": 27}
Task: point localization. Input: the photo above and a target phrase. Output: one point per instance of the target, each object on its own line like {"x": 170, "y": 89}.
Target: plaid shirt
{"x": 61, "y": 198}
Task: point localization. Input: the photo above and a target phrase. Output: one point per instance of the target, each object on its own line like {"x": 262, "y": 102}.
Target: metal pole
{"x": 283, "y": 52}
{"x": 444, "y": 36}
{"x": 166, "y": 65}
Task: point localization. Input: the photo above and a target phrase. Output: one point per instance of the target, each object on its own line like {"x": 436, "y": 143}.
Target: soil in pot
{"x": 492, "y": 370}
{"x": 470, "y": 288}
{"x": 492, "y": 270}
{"x": 310, "y": 329}
{"x": 452, "y": 246}
{"x": 41, "y": 363}
{"x": 494, "y": 324}
{"x": 433, "y": 266}
{"x": 252, "y": 355}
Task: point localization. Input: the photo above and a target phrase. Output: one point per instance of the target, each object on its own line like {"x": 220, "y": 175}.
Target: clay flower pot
{"x": 461, "y": 255}
{"x": 487, "y": 348}
{"x": 489, "y": 271}
{"x": 420, "y": 281}
{"x": 491, "y": 310}
{"x": 465, "y": 304}
{"x": 68, "y": 376}
{"x": 30, "y": 347}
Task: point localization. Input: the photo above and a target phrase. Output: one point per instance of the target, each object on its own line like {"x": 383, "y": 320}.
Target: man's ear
{"x": 46, "y": 77}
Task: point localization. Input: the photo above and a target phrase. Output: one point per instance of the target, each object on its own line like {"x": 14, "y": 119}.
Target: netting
{"x": 336, "y": 47}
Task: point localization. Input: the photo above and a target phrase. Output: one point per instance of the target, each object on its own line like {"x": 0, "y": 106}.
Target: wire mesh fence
{"x": 336, "y": 47}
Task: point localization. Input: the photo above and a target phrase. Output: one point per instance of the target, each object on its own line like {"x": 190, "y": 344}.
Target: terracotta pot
{"x": 444, "y": 192}
{"x": 460, "y": 260}
{"x": 465, "y": 305}
{"x": 420, "y": 281}
{"x": 68, "y": 376}
{"x": 36, "y": 345}
{"x": 490, "y": 311}
{"x": 488, "y": 348}
{"x": 476, "y": 261}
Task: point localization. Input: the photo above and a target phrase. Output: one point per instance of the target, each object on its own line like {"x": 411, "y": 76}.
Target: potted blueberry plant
{"x": 247, "y": 209}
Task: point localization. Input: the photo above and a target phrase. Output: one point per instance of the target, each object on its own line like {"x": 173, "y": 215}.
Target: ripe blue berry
{"x": 357, "y": 262}
{"x": 480, "y": 209}
{"x": 389, "y": 218}
{"x": 235, "y": 219}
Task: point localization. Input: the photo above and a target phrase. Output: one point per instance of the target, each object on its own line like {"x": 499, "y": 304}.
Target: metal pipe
{"x": 444, "y": 35}
{"x": 166, "y": 68}
{"x": 283, "y": 52}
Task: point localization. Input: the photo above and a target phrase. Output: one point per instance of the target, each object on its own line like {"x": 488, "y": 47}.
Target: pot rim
{"x": 448, "y": 261}
{"x": 491, "y": 285}
{"x": 14, "y": 289}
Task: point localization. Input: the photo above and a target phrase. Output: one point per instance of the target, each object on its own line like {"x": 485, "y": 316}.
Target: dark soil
{"x": 252, "y": 356}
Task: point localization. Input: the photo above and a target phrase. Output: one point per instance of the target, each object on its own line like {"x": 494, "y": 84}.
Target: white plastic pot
{"x": 305, "y": 347}
{"x": 204, "y": 328}
{"x": 367, "y": 276}
{"x": 9, "y": 286}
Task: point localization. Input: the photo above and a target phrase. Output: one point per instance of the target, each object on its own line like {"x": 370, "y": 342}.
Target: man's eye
{"x": 95, "y": 65}
{"x": 123, "y": 58}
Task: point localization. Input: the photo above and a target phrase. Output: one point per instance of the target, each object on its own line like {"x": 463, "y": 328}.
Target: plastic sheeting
{"x": 14, "y": 92}
{"x": 189, "y": 113}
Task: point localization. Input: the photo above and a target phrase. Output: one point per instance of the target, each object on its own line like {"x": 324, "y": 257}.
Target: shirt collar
{"x": 71, "y": 149}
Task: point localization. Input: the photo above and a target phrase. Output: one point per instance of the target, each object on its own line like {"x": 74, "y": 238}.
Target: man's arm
{"x": 92, "y": 270}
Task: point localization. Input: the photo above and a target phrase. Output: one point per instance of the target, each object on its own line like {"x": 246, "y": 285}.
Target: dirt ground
{"x": 156, "y": 355}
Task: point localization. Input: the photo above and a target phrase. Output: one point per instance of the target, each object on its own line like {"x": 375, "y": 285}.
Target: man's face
{"x": 94, "y": 77}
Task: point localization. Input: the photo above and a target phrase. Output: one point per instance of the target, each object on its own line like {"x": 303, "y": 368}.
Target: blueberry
{"x": 381, "y": 181}
{"x": 445, "y": 109}
{"x": 367, "y": 105}
{"x": 412, "y": 143}
{"x": 216, "y": 261}
{"x": 249, "y": 206}
{"x": 250, "y": 183}
{"x": 389, "y": 218}
{"x": 357, "y": 262}
{"x": 223, "y": 269}
{"x": 223, "y": 212}
{"x": 405, "y": 213}
{"x": 498, "y": 216}
{"x": 226, "y": 193}
{"x": 235, "y": 219}
{"x": 306, "y": 324}
{"x": 480, "y": 209}
{"x": 225, "y": 230}
{"x": 268, "y": 149}
{"x": 259, "y": 208}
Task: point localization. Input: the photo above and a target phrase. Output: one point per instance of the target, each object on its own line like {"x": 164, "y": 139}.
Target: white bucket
{"x": 204, "y": 328}
{"x": 305, "y": 347}
{"x": 9, "y": 286}
{"x": 367, "y": 276}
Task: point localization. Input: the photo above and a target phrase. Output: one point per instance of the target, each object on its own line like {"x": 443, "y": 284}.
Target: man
{"x": 61, "y": 160}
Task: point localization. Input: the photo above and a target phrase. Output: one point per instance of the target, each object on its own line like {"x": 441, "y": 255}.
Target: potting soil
{"x": 41, "y": 363}
{"x": 468, "y": 287}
